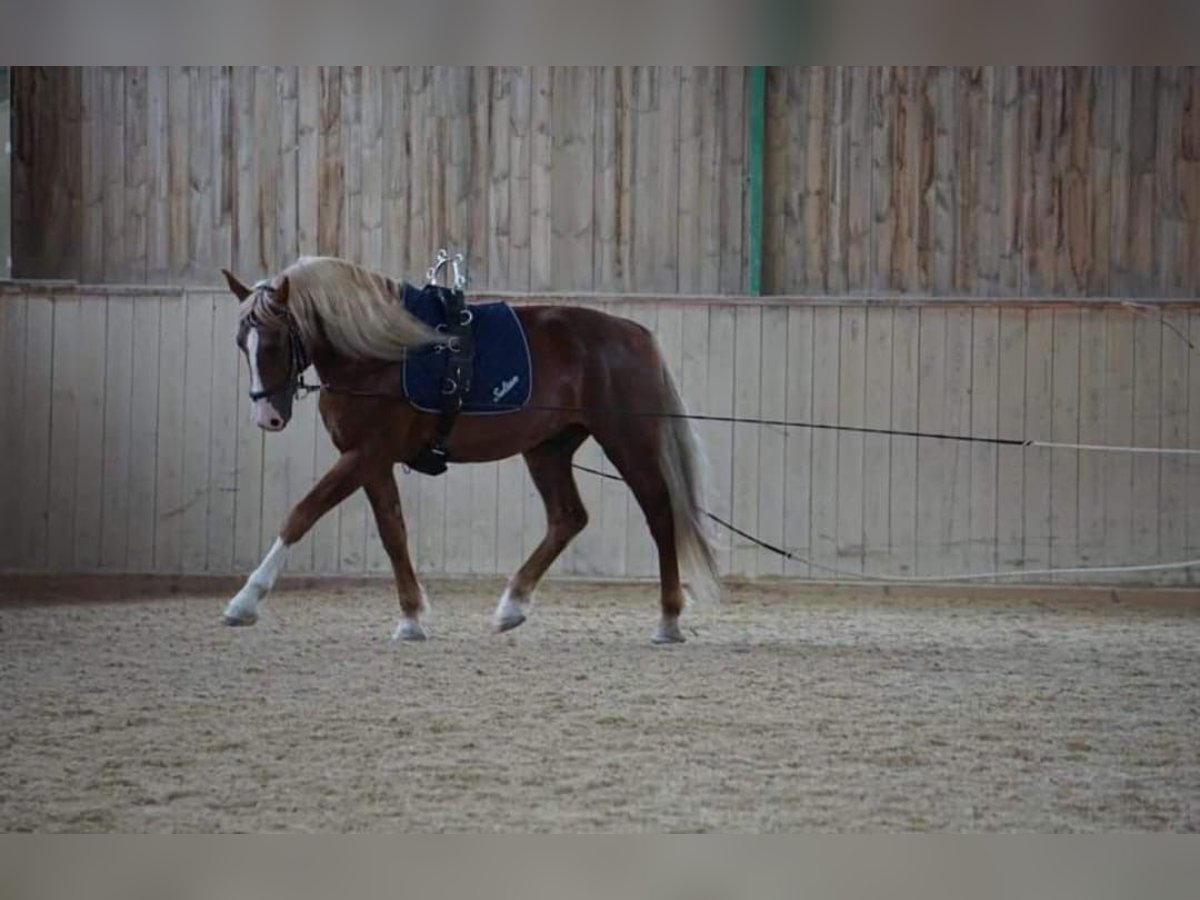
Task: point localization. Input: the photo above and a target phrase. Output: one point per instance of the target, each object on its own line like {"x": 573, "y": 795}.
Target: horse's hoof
{"x": 508, "y": 623}
{"x": 237, "y": 621}
{"x": 409, "y": 630}
{"x": 667, "y": 633}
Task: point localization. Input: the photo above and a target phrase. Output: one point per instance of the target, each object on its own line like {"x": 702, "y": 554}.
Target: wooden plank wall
{"x": 125, "y": 429}
{"x": 930, "y": 181}
{"x": 575, "y": 178}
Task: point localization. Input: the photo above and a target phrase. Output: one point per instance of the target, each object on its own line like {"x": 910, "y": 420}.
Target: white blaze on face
{"x": 262, "y": 413}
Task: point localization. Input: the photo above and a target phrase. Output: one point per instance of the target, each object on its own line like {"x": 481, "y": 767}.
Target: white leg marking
{"x": 243, "y": 608}
{"x": 668, "y": 632}
{"x": 512, "y": 609}
{"x": 410, "y": 628}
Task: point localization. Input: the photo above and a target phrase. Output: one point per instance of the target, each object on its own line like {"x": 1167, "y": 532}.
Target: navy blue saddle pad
{"x": 503, "y": 377}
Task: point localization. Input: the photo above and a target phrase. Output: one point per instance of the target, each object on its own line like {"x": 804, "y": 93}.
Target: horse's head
{"x": 267, "y": 334}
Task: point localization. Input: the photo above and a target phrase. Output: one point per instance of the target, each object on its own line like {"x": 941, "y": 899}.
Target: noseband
{"x": 298, "y": 359}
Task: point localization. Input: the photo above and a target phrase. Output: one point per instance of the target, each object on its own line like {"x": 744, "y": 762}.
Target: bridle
{"x": 298, "y": 359}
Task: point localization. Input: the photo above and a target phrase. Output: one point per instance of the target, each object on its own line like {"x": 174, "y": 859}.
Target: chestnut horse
{"x": 591, "y": 370}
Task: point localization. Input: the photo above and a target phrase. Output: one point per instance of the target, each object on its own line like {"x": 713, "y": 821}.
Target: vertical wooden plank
{"x": 1064, "y": 427}
{"x": 393, "y": 87}
{"x": 956, "y": 516}
{"x": 499, "y": 184}
{"x": 541, "y": 275}
{"x": 268, "y": 169}
{"x": 168, "y": 495}
{"x": 137, "y": 172}
{"x": 36, "y": 437}
{"x": 691, "y": 87}
{"x": 92, "y": 112}
{"x": 372, "y": 169}
{"x": 89, "y": 473}
{"x": 1119, "y": 256}
{"x": 1118, "y": 430}
{"x": 1172, "y": 487}
{"x": 200, "y": 175}
{"x": 572, "y": 172}
{"x": 520, "y": 149}
{"x": 1075, "y": 149}
{"x": 976, "y": 202}
{"x": 941, "y": 91}
{"x": 331, "y": 187}
{"x": 732, "y": 179}
{"x": 197, "y": 424}
{"x": 223, "y": 148}
{"x": 1010, "y": 424}
{"x": 247, "y": 244}
{"x": 837, "y": 188}
{"x": 1170, "y": 211}
{"x": 886, "y": 174}
{"x": 308, "y": 140}
{"x": 143, "y": 434}
{"x": 985, "y": 386}
{"x": 774, "y": 362}
{"x": 798, "y": 442}
{"x": 612, "y": 180}
{"x": 721, "y": 337}
{"x": 1039, "y": 391}
{"x": 288, "y": 192}
{"x": 1188, "y": 162}
{"x": 656, "y": 179}
{"x": 1192, "y": 495}
{"x": 158, "y": 152}
{"x": 712, "y": 226}
{"x": 1098, "y": 186}
{"x": 223, "y": 436}
{"x": 1147, "y": 421}
{"x": 858, "y": 186}
{"x": 747, "y": 395}
{"x": 906, "y": 356}
{"x": 1011, "y": 186}
{"x": 877, "y": 457}
{"x": 815, "y": 227}
{"x": 117, "y": 448}
{"x": 1144, "y": 233}
{"x": 113, "y": 167}
{"x": 824, "y": 471}
{"x": 479, "y": 114}
{"x": 852, "y": 380}
{"x": 1092, "y": 402}
{"x": 12, "y": 424}
{"x": 934, "y": 457}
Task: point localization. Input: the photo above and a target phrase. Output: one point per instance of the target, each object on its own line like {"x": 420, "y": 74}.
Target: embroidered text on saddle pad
{"x": 502, "y": 379}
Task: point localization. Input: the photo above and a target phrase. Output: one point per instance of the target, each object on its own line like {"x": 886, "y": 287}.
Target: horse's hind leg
{"x": 635, "y": 453}
{"x": 550, "y": 467}
{"x": 385, "y": 503}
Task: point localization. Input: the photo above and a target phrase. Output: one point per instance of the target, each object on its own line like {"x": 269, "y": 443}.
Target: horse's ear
{"x": 281, "y": 292}
{"x": 239, "y": 290}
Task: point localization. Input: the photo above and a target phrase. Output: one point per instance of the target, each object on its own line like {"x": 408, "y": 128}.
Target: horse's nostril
{"x": 276, "y": 422}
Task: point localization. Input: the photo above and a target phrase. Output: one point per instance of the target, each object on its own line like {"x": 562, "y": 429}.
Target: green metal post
{"x": 756, "y": 126}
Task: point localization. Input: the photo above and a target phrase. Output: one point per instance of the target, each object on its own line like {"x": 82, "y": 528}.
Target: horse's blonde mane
{"x": 359, "y": 312}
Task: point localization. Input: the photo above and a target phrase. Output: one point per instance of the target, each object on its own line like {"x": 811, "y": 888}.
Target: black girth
{"x": 459, "y": 351}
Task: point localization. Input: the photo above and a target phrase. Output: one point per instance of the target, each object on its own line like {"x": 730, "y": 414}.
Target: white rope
{"x": 1110, "y": 448}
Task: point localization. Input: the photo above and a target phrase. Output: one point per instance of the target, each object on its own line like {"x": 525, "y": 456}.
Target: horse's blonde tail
{"x": 682, "y": 464}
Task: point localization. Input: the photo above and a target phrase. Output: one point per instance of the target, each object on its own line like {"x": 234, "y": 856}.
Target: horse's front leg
{"x": 335, "y": 486}
{"x": 389, "y": 517}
